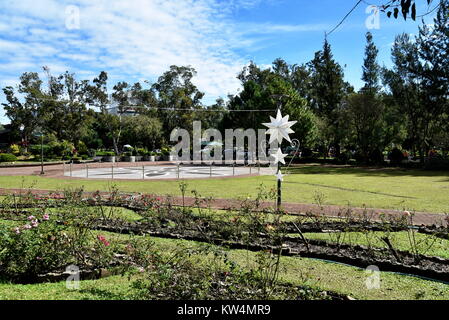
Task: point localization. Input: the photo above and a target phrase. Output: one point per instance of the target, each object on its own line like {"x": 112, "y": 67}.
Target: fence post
{"x": 63, "y": 168}
{"x": 233, "y": 168}
{"x": 87, "y": 171}
{"x": 143, "y": 172}
{"x": 210, "y": 169}
{"x": 178, "y": 171}
{"x": 112, "y": 167}
{"x": 70, "y": 169}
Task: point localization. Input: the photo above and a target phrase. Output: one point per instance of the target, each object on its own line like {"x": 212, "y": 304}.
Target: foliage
{"x": 7, "y": 157}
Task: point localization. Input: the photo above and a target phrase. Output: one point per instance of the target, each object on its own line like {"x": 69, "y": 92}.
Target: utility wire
{"x": 344, "y": 18}
{"x": 168, "y": 109}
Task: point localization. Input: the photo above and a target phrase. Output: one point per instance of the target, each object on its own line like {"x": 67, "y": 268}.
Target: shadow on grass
{"x": 367, "y": 171}
{"x": 101, "y": 294}
{"x": 351, "y": 190}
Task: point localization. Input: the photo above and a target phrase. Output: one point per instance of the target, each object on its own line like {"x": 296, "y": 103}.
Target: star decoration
{"x": 280, "y": 176}
{"x": 279, "y": 156}
{"x": 279, "y": 128}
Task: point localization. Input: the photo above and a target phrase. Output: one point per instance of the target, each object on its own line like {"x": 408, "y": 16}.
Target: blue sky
{"x": 138, "y": 40}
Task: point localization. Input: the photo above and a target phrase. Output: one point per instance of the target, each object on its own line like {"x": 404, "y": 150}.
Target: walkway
{"x": 419, "y": 218}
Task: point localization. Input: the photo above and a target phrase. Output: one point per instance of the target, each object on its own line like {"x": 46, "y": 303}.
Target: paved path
{"x": 134, "y": 171}
{"x": 419, "y": 218}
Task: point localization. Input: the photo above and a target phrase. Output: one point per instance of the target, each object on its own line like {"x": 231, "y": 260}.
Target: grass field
{"x": 414, "y": 190}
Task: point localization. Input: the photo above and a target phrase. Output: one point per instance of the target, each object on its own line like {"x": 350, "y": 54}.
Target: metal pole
{"x": 112, "y": 172}
{"x": 210, "y": 169}
{"x": 70, "y": 169}
{"x": 87, "y": 171}
{"x": 233, "y": 168}
{"x": 143, "y": 172}
{"x": 250, "y": 168}
{"x": 42, "y": 153}
{"x": 279, "y": 193}
{"x": 178, "y": 170}
{"x": 63, "y": 168}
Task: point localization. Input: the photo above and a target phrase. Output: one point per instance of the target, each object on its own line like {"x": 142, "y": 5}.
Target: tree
{"x": 365, "y": 112}
{"x": 405, "y": 7}
{"x": 419, "y": 81}
{"x": 371, "y": 68}
{"x": 177, "y": 98}
{"x": 142, "y": 131}
{"x": 261, "y": 91}
{"x": 65, "y": 110}
{"x": 327, "y": 89}
{"x": 113, "y": 108}
{"x": 366, "y": 109}
{"x": 27, "y": 112}
{"x": 433, "y": 71}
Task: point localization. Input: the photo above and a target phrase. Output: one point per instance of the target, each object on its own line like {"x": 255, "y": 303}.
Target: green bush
{"x": 14, "y": 149}
{"x": 396, "y": 156}
{"x": 7, "y": 157}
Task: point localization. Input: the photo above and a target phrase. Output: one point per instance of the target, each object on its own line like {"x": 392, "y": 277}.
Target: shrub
{"x": 344, "y": 157}
{"x": 396, "y": 156}
{"x": 437, "y": 162}
{"x": 165, "y": 151}
{"x": 14, "y": 149}
{"x": 376, "y": 156}
{"x": 7, "y": 157}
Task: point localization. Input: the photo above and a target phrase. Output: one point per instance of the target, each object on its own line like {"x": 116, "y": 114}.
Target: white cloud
{"x": 132, "y": 40}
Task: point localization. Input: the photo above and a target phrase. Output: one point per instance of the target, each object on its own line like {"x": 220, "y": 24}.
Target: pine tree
{"x": 327, "y": 90}
{"x": 370, "y": 67}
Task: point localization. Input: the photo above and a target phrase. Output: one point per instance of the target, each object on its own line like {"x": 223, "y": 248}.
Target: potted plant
{"x": 109, "y": 157}
{"x": 128, "y": 157}
{"x": 166, "y": 154}
{"x": 153, "y": 156}
{"x": 140, "y": 153}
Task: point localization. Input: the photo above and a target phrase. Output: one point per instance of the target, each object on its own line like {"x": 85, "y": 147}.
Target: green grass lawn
{"x": 316, "y": 273}
{"x": 422, "y": 244}
{"x": 414, "y": 190}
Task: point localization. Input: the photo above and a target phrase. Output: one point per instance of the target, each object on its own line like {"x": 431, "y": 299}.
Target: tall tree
{"x": 261, "y": 91}
{"x": 177, "y": 98}
{"x": 328, "y": 89}
{"x": 371, "y": 68}
{"x": 25, "y": 112}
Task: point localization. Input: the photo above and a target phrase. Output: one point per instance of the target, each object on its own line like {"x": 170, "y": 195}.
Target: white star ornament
{"x": 279, "y": 156}
{"x": 279, "y": 128}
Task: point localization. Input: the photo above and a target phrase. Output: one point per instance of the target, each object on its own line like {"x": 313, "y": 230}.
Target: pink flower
{"x": 17, "y": 230}
{"x": 27, "y": 226}
{"x": 31, "y": 218}
{"x": 45, "y": 217}
{"x": 141, "y": 269}
{"x": 34, "y": 223}
{"x": 103, "y": 240}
